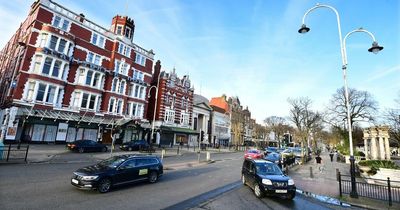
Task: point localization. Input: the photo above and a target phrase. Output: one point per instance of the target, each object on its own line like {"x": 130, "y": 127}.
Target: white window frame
{"x": 169, "y": 116}
{"x": 97, "y": 42}
{"x": 140, "y": 59}
{"x": 185, "y": 118}
{"x": 61, "y": 23}
{"x": 92, "y": 59}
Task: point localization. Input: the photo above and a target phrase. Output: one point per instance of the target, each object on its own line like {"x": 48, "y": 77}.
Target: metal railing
{"x": 372, "y": 188}
{"x": 15, "y": 152}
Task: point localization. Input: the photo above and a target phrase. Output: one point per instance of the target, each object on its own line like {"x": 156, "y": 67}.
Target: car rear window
{"x": 268, "y": 169}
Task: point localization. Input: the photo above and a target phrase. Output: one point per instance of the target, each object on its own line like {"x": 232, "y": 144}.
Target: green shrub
{"x": 376, "y": 164}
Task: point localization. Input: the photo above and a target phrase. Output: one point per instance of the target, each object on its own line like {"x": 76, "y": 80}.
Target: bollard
{"x": 177, "y": 151}
{"x": 162, "y": 153}
{"x": 337, "y": 174}
{"x": 208, "y": 156}
{"x": 198, "y": 156}
{"x": 311, "y": 173}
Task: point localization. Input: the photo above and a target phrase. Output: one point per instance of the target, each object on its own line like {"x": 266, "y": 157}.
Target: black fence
{"x": 14, "y": 152}
{"x": 372, "y": 188}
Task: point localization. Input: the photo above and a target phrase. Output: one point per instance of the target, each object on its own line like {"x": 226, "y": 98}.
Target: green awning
{"x": 179, "y": 130}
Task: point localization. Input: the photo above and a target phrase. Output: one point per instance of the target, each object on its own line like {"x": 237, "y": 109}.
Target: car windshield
{"x": 268, "y": 169}
{"x": 253, "y": 151}
{"x": 112, "y": 162}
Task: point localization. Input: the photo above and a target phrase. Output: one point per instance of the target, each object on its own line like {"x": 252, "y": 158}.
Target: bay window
{"x": 43, "y": 92}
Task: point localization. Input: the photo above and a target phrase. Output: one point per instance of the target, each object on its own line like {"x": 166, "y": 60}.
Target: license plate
{"x": 281, "y": 191}
{"x": 75, "y": 181}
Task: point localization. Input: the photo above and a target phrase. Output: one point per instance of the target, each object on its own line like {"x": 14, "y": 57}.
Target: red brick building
{"x": 174, "y": 107}
{"x": 66, "y": 78}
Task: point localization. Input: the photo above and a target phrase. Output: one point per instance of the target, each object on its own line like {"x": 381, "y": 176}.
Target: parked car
{"x": 271, "y": 149}
{"x": 135, "y": 145}
{"x": 273, "y": 157}
{"x": 118, "y": 170}
{"x": 86, "y": 146}
{"x": 253, "y": 154}
{"x": 266, "y": 178}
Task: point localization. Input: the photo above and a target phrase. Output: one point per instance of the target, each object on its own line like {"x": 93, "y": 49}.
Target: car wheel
{"x": 81, "y": 150}
{"x": 243, "y": 180}
{"x": 130, "y": 149}
{"x": 104, "y": 185}
{"x": 104, "y": 149}
{"x": 153, "y": 177}
{"x": 257, "y": 191}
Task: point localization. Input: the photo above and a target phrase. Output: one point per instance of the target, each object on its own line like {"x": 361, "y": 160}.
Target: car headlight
{"x": 266, "y": 182}
{"x": 89, "y": 178}
{"x": 290, "y": 182}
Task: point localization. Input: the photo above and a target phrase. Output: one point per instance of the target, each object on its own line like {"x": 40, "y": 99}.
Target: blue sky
{"x": 251, "y": 48}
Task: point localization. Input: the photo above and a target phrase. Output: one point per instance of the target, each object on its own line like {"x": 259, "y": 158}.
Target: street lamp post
{"x": 155, "y": 105}
{"x": 374, "y": 49}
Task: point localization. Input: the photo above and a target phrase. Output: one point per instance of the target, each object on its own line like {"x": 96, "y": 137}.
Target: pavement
{"x": 323, "y": 185}
{"x": 310, "y": 181}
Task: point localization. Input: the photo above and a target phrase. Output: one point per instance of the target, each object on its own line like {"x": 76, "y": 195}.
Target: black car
{"x": 266, "y": 178}
{"x": 135, "y": 145}
{"x": 118, "y": 170}
{"x": 86, "y": 146}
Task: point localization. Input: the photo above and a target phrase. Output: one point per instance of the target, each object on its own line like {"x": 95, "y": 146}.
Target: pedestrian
{"x": 331, "y": 155}
{"x": 318, "y": 159}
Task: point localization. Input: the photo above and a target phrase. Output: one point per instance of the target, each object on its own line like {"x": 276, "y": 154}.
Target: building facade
{"x": 171, "y": 107}
{"x": 221, "y": 121}
{"x": 202, "y": 113}
{"x": 67, "y": 78}
{"x": 238, "y": 129}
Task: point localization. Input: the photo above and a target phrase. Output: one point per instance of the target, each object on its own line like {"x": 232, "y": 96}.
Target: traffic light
{"x": 201, "y": 135}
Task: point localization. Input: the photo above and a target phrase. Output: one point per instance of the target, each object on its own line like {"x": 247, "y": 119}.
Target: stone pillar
{"x": 374, "y": 154}
{"x": 381, "y": 148}
{"x": 366, "y": 147}
{"x": 387, "y": 147}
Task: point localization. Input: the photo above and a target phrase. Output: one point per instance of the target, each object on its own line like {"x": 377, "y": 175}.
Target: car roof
{"x": 136, "y": 156}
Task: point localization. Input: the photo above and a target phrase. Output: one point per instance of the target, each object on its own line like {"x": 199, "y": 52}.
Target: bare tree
{"x": 304, "y": 118}
{"x": 362, "y": 107}
{"x": 392, "y": 117}
{"x": 278, "y": 125}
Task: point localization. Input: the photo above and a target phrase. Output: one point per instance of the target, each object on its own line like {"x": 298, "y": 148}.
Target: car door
{"x": 252, "y": 174}
{"x": 143, "y": 166}
{"x": 126, "y": 172}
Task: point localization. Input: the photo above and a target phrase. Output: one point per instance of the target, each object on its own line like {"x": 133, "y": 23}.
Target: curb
{"x": 323, "y": 198}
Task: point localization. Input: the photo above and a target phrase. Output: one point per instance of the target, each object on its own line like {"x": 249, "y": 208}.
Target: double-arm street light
{"x": 375, "y": 49}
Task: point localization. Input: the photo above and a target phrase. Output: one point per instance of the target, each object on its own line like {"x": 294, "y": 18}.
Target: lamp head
{"x": 375, "y": 48}
{"x": 304, "y": 29}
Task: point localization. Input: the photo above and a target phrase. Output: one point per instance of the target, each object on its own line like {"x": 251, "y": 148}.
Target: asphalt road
{"x": 47, "y": 186}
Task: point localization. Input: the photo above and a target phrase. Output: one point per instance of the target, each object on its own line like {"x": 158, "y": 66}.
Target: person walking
{"x": 331, "y": 155}
{"x": 318, "y": 159}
